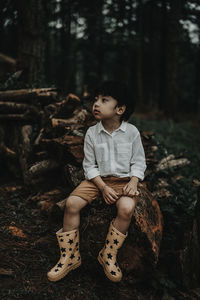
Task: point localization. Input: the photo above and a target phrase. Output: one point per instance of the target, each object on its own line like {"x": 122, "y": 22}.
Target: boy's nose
{"x": 96, "y": 104}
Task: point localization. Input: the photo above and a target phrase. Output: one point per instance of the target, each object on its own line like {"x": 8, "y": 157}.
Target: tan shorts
{"x": 88, "y": 191}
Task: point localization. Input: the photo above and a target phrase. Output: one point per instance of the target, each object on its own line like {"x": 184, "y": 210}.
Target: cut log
{"x": 7, "y": 152}
{"x": 42, "y": 167}
{"x": 39, "y": 137}
{"x": 73, "y": 174}
{"x": 8, "y": 156}
{"x": 42, "y": 155}
{"x": 72, "y": 146}
{"x": 69, "y": 140}
{"x": 6, "y": 272}
{"x": 79, "y": 117}
{"x": 25, "y": 149}
{"x": 61, "y": 204}
{"x": 45, "y": 94}
{"x": 7, "y": 59}
{"x": 171, "y": 162}
{"x": 31, "y": 114}
{"x": 13, "y": 107}
{"x": 15, "y": 117}
{"x": 64, "y": 108}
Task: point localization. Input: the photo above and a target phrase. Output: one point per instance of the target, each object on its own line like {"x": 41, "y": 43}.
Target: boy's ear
{"x": 121, "y": 110}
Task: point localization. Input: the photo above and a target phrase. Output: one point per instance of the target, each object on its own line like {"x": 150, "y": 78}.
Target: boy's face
{"x": 105, "y": 107}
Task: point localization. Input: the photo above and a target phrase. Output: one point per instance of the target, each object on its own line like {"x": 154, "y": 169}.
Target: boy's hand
{"x": 109, "y": 195}
{"x": 130, "y": 189}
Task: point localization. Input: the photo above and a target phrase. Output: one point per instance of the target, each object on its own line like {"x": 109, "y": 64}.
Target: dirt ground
{"x": 28, "y": 249}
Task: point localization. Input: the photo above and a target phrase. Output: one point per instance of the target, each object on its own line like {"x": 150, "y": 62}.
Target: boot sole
{"x": 100, "y": 260}
{"x": 64, "y": 273}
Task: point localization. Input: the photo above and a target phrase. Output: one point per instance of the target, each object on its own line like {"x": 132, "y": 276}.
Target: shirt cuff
{"x": 137, "y": 173}
{"x": 91, "y": 174}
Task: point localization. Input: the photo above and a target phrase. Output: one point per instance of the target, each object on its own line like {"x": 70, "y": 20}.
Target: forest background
{"x": 152, "y": 45}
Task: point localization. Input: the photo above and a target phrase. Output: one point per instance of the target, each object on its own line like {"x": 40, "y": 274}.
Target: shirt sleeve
{"x": 90, "y": 166}
{"x": 138, "y": 161}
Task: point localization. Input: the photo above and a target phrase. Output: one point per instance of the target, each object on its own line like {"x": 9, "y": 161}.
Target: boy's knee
{"x": 72, "y": 205}
{"x": 126, "y": 208}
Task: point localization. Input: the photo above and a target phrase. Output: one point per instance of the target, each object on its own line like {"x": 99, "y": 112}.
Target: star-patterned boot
{"x": 69, "y": 254}
{"x": 108, "y": 255}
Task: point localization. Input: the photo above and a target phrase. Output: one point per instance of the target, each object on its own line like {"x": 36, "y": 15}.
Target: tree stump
{"x": 140, "y": 251}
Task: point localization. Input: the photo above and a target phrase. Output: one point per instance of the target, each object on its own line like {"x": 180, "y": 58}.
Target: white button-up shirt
{"x": 119, "y": 153}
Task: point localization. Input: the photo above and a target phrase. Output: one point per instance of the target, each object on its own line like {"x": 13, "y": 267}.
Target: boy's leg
{"x": 115, "y": 238}
{"x": 71, "y": 219}
{"x": 68, "y": 236}
{"x": 125, "y": 208}
{"x": 83, "y": 194}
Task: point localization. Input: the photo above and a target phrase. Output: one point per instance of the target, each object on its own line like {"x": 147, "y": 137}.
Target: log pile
{"x": 41, "y": 139}
{"x": 37, "y": 132}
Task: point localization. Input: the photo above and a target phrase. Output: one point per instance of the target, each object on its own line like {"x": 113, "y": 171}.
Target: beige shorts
{"x": 88, "y": 191}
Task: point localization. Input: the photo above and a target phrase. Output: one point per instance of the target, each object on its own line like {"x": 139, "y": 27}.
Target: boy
{"x": 114, "y": 161}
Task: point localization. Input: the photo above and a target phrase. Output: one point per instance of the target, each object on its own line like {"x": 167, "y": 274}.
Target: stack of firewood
{"x": 20, "y": 112}
{"x": 37, "y": 131}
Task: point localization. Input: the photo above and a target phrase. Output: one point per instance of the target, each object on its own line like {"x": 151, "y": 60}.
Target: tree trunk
{"x": 66, "y": 7}
{"x": 162, "y": 77}
{"x": 140, "y": 78}
{"x": 32, "y": 39}
{"x": 173, "y": 40}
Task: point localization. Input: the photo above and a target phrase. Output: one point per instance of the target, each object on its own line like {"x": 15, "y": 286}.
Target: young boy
{"x": 114, "y": 161}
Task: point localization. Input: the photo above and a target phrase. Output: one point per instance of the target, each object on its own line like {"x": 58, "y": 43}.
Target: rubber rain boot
{"x": 70, "y": 258}
{"x": 108, "y": 255}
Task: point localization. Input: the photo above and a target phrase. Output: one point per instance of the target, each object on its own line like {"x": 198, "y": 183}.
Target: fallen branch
{"x": 42, "y": 167}
{"x": 171, "y": 162}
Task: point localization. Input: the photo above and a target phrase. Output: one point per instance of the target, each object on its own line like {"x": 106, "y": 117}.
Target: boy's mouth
{"x": 96, "y": 111}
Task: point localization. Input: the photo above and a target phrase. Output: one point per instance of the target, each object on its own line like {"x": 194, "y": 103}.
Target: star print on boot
{"x": 70, "y": 258}
{"x": 108, "y": 255}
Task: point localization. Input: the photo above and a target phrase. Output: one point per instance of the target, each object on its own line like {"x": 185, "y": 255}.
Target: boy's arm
{"x": 89, "y": 162}
{"x": 130, "y": 189}
{"x": 138, "y": 161}
{"x": 138, "y": 166}
{"x": 109, "y": 195}
{"x": 98, "y": 181}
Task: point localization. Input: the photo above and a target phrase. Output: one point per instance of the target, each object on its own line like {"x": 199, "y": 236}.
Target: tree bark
{"x": 32, "y": 39}
{"x": 173, "y": 49}
{"x": 140, "y": 78}
{"x": 163, "y": 58}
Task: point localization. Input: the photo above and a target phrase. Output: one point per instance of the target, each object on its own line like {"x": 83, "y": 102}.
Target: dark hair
{"x": 120, "y": 92}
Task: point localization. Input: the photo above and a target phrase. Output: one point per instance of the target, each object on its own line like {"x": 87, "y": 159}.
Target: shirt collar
{"x": 122, "y": 127}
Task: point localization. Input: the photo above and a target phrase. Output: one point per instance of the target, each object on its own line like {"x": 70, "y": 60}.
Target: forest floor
{"x": 28, "y": 247}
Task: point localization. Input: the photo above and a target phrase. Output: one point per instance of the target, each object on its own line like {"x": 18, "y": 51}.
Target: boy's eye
{"x": 104, "y": 99}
